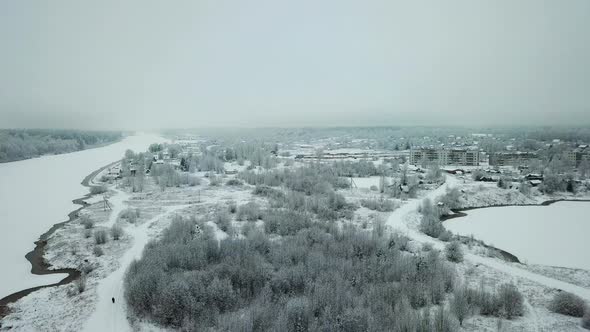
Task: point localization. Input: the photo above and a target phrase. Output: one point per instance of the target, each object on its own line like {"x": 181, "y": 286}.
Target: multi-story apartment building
{"x": 511, "y": 158}
{"x": 459, "y": 157}
{"x": 578, "y": 154}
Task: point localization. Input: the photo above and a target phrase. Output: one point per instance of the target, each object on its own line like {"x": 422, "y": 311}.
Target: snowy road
{"x": 399, "y": 220}
{"x": 109, "y": 316}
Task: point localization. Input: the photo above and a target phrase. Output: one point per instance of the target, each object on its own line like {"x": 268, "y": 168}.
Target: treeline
{"x": 19, "y": 144}
{"x": 320, "y": 278}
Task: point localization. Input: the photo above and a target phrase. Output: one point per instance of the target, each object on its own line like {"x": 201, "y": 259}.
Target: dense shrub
{"x": 234, "y": 182}
{"x": 361, "y": 168}
{"x": 381, "y": 204}
{"x": 506, "y": 302}
{"x": 249, "y": 211}
{"x": 451, "y": 199}
{"x": 320, "y": 278}
{"x": 567, "y": 304}
{"x": 511, "y": 301}
{"x": 222, "y": 218}
{"x": 130, "y": 215}
{"x": 116, "y": 232}
{"x": 97, "y": 251}
{"x": 81, "y": 283}
{"x": 453, "y": 252}
{"x": 430, "y": 223}
{"x": 95, "y": 190}
{"x": 232, "y": 207}
{"x": 100, "y": 236}
{"x": 285, "y": 222}
{"x": 86, "y": 221}
{"x": 311, "y": 179}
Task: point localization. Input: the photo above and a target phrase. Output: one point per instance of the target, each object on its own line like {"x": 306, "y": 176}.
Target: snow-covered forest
{"x": 29, "y": 143}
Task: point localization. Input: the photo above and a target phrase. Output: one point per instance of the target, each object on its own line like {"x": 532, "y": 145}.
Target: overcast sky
{"x": 148, "y": 64}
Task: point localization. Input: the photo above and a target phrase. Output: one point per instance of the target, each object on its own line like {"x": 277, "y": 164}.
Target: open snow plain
{"x": 36, "y": 194}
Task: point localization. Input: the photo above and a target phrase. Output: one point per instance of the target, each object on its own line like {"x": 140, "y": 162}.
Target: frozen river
{"x": 555, "y": 235}
{"x": 36, "y": 194}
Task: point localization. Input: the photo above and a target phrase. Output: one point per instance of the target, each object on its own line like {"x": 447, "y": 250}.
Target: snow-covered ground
{"x": 555, "y": 235}
{"x": 36, "y": 194}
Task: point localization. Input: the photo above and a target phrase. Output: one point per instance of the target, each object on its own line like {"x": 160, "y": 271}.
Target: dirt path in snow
{"x": 109, "y": 316}
{"x": 38, "y": 264}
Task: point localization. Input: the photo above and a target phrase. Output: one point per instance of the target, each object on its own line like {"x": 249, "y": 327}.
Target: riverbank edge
{"x": 38, "y": 264}
{"x": 458, "y": 213}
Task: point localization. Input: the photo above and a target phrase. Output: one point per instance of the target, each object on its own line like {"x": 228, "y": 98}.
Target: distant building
{"x": 578, "y": 154}
{"x": 460, "y": 157}
{"x": 511, "y": 158}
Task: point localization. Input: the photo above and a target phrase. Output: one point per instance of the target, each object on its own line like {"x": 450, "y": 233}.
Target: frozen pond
{"x": 37, "y": 193}
{"x": 555, "y": 235}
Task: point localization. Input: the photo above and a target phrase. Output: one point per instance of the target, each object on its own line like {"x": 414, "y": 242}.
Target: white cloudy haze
{"x": 148, "y": 64}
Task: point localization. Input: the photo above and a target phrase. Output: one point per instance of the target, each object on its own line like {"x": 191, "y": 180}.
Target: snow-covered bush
{"x": 100, "y": 236}
{"x": 430, "y": 223}
{"x": 504, "y": 182}
{"x": 86, "y": 221}
{"x": 525, "y": 188}
{"x": 434, "y": 174}
{"x": 478, "y": 174}
{"x": 444, "y": 321}
{"x": 97, "y": 251}
{"x": 451, "y": 199}
{"x": 453, "y": 252}
{"x": 232, "y": 207}
{"x": 445, "y": 235}
{"x": 511, "y": 301}
{"x": 222, "y": 219}
{"x": 116, "y": 232}
{"x": 234, "y": 182}
{"x": 189, "y": 180}
{"x": 214, "y": 180}
{"x": 130, "y": 215}
{"x": 506, "y": 302}
{"x": 567, "y": 304}
{"x": 379, "y": 204}
{"x": 285, "y": 222}
{"x": 95, "y": 190}
{"x": 249, "y": 211}
{"x": 80, "y": 283}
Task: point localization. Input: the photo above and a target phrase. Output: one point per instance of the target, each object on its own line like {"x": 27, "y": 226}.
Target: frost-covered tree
{"x": 430, "y": 223}
{"x": 460, "y": 304}
{"x": 453, "y": 252}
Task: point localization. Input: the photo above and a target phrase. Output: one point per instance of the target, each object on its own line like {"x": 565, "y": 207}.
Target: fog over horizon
{"x": 187, "y": 64}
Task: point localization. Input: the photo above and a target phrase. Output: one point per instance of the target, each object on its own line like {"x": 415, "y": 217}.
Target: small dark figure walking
{"x": 113, "y": 300}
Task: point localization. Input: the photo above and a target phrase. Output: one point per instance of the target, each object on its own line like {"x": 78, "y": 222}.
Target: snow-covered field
{"x": 553, "y": 235}
{"x": 36, "y": 194}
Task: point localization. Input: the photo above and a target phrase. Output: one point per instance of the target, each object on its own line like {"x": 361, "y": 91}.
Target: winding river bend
{"x": 555, "y": 235}
{"x": 37, "y": 193}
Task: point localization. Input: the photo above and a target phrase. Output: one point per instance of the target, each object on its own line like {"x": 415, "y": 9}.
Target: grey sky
{"x": 146, "y": 64}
